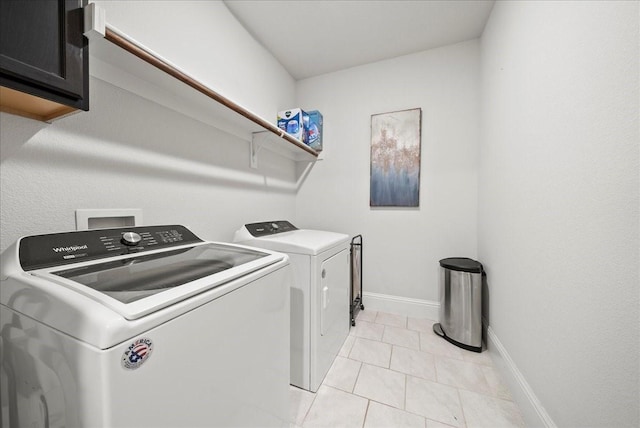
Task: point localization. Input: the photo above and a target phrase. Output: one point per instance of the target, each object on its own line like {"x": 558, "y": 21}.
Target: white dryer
{"x": 320, "y": 317}
{"x": 142, "y": 327}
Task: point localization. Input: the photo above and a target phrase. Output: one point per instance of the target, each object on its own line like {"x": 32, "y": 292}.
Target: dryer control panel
{"x": 58, "y": 249}
{"x": 269, "y": 228}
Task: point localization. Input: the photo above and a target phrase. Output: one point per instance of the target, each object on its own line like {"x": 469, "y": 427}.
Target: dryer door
{"x": 334, "y": 294}
{"x": 334, "y": 309}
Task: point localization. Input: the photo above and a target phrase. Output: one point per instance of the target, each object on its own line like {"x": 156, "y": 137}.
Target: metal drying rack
{"x": 356, "y": 278}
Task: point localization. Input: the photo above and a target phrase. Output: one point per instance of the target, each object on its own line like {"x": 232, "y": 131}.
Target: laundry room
{"x": 528, "y": 154}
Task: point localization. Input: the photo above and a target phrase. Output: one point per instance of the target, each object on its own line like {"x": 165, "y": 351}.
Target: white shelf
{"x": 126, "y": 63}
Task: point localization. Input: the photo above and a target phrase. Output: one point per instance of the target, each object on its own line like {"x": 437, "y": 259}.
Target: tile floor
{"x": 393, "y": 371}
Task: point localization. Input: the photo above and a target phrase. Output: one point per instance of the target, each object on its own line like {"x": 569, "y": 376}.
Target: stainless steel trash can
{"x": 461, "y": 303}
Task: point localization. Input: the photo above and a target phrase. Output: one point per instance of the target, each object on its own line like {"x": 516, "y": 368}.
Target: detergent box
{"x": 294, "y": 122}
{"x": 314, "y": 137}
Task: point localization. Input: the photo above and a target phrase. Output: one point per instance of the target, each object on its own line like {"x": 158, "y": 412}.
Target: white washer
{"x": 319, "y": 297}
{"x": 143, "y": 327}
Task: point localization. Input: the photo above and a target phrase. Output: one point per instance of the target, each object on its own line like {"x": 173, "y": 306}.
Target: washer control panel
{"x": 56, "y": 249}
{"x": 269, "y": 228}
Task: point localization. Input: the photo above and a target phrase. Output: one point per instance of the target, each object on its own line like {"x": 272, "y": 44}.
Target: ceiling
{"x": 313, "y": 37}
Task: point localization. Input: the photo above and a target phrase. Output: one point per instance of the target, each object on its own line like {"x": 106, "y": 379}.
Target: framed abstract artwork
{"x": 395, "y": 159}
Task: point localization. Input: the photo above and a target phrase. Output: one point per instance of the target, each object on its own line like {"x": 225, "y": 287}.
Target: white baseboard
{"x": 533, "y": 412}
{"x": 415, "y": 308}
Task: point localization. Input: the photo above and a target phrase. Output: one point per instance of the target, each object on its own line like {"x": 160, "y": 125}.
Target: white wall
{"x": 127, "y": 152}
{"x": 402, "y": 247}
{"x": 559, "y": 201}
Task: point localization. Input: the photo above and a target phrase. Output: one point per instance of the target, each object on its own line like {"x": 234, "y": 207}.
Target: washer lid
{"x": 135, "y": 278}
{"x": 139, "y": 285}
{"x": 303, "y": 241}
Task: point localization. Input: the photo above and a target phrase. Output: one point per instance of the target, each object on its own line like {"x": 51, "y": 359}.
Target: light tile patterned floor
{"x": 393, "y": 371}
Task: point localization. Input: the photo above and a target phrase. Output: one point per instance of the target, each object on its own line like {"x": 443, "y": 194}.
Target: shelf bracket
{"x": 255, "y": 149}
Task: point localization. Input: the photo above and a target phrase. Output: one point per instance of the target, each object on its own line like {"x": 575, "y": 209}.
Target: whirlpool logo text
{"x": 70, "y": 249}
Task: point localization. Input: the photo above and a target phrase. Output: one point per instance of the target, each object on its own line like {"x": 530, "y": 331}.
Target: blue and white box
{"x": 294, "y": 122}
{"x": 314, "y": 138}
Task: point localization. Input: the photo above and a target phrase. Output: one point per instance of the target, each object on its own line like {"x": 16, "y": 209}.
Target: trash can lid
{"x": 462, "y": 264}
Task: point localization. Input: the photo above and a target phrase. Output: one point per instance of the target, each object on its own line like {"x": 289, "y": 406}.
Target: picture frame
{"x": 395, "y": 158}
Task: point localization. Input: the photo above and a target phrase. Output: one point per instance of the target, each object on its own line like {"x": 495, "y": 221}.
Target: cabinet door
{"x": 43, "y": 51}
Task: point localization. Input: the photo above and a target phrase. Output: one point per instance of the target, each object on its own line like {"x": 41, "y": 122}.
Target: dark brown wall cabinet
{"x": 43, "y": 53}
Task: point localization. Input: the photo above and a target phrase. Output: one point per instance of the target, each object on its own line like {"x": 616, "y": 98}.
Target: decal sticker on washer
{"x": 137, "y": 353}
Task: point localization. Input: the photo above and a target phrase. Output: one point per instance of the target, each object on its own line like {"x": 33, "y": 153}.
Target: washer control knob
{"x": 131, "y": 238}
{"x": 275, "y": 226}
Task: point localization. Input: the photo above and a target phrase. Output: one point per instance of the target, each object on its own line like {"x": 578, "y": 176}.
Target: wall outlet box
{"x": 107, "y": 218}
{"x": 294, "y": 122}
